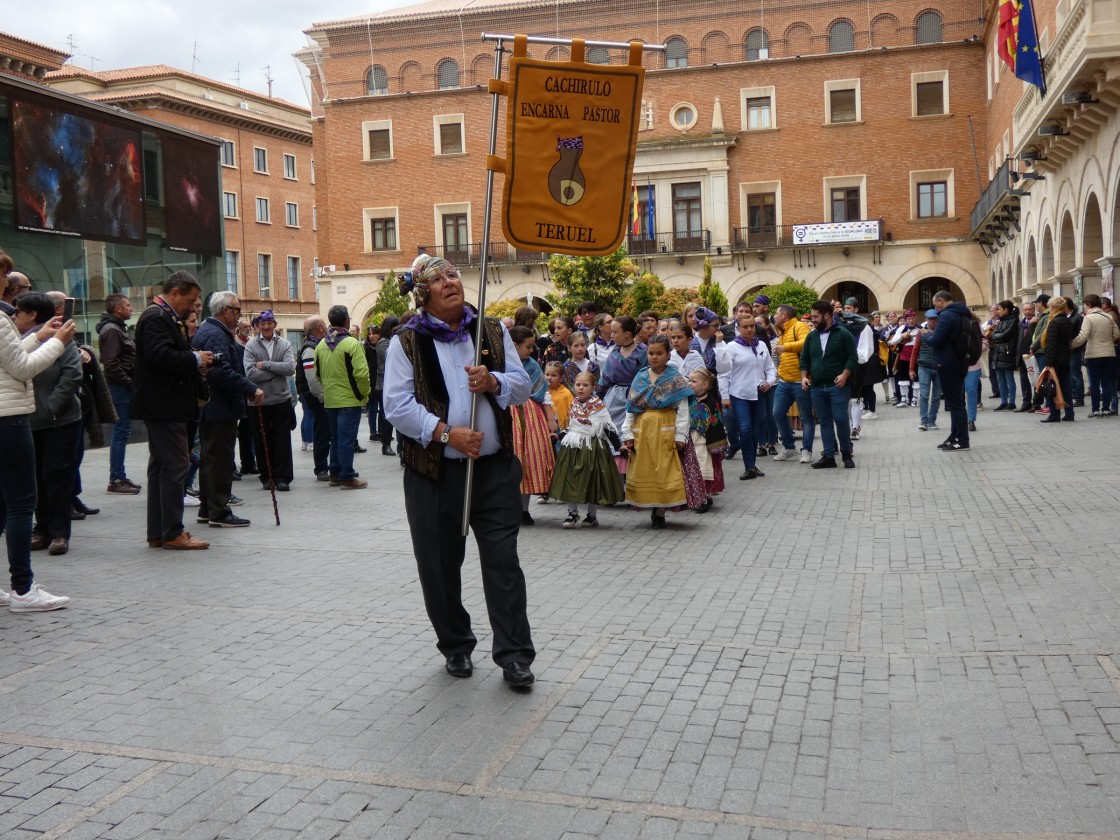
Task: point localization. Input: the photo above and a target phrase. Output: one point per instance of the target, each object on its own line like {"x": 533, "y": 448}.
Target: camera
{"x": 217, "y": 358}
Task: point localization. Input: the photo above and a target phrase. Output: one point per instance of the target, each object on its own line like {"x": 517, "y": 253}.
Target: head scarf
{"x": 425, "y": 269}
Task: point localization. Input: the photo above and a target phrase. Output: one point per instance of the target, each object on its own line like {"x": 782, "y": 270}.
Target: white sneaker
{"x": 806, "y": 457}
{"x": 302, "y": 446}
{"x": 37, "y": 599}
{"x": 786, "y": 455}
{"x": 190, "y": 501}
{"x": 5, "y": 598}
{"x": 870, "y": 415}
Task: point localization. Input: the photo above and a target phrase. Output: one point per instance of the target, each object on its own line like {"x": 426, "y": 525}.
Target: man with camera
{"x": 217, "y": 427}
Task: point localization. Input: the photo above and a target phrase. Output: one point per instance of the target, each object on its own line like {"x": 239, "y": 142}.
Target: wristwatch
{"x": 445, "y": 436}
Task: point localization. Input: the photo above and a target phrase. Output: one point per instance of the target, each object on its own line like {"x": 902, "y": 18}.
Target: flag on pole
{"x": 636, "y": 223}
{"x": 651, "y": 231}
{"x": 1017, "y": 42}
{"x": 1028, "y": 65}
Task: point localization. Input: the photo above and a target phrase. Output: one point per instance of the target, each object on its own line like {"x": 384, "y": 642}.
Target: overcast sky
{"x": 110, "y": 34}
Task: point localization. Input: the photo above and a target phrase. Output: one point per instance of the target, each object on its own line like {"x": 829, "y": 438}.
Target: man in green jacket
{"x": 340, "y": 364}
{"x": 828, "y": 360}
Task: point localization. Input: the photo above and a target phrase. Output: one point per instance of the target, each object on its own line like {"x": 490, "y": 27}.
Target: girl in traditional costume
{"x": 622, "y": 364}
{"x": 663, "y": 470}
{"x": 585, "y": 470}
{"x": 706, "y": 431}
{"x": 534, "y": 426}
{"x": 579, "y": 362}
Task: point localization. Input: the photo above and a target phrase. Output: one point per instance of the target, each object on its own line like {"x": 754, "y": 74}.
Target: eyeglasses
{"x": 236, "y": 309}
{"x": 26, "y": 288}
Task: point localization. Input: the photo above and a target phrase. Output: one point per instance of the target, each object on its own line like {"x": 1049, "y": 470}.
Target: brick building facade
{"x": 819, "y": 113}
{"x": 267, "y": 172}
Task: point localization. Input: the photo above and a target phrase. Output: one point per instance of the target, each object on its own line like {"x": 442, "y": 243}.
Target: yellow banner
{"x": 572, "y": 137}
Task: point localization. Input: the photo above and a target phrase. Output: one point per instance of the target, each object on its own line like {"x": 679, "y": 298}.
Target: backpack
{"x": 970, "y": 342}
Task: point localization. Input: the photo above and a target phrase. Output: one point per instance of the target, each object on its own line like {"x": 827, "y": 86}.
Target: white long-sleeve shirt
{"x": 404, "y": 411}
{"x": 688, "y": 364}
{"x": 866, "y": 345}
{"x": 750, "y": 367}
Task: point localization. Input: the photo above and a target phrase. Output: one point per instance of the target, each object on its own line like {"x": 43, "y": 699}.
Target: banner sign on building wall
{"x": 572, "y": 137}
{"x": 862, "y": 231}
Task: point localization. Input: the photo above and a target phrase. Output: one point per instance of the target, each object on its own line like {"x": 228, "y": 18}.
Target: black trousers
{"x": 321, "y": 446}
{"x": 384, "y": 427}
{"x": 245, "y": 437}
{"x": 168, "y": 460}
{"x": 278, "y": 438}
{"x": 54, "y": 467}
{"x": 435, "y": 510}
{"x": 215, "y": 471}
{"x": 952, "y": 390}
{"x": 1025, "y": 385}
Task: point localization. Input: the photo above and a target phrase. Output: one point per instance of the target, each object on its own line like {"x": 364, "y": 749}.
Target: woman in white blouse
{"x": 752, "y": 373}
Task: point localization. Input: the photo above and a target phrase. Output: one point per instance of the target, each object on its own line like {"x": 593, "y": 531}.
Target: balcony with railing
{"x": 997, "y": 193}
{"x": 470, "y": 254}
{"x": 762, "y": 237}
{"x": 670, "y": 242}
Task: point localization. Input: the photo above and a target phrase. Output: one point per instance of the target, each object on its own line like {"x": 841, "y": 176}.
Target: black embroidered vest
{"x": 431, "y": 392}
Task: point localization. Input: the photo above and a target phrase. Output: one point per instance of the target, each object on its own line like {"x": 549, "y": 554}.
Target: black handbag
{"x": 1047, "y": 388}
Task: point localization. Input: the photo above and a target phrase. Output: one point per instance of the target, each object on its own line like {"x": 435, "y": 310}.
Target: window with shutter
{"x": 842, "y": 105}
{"x": 451, "y": 139}
{"x": 930, "y": 98}
{"x": 379, "y": 145}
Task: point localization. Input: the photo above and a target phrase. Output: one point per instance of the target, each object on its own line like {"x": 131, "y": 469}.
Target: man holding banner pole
{"x": 430, "y": 381}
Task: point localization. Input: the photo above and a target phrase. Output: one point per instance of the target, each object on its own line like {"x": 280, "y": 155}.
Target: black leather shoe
{"x": 83, "y": 508}
{"x": 459, "y": 665}
{"x": 282, "y": 486}
{"x": 518, "y": 676}
{"x": 387, "y": 449}
{"x": 359, "y": 448}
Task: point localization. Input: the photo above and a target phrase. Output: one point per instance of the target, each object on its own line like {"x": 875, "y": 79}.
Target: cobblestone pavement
{"x": 927, "y": 646}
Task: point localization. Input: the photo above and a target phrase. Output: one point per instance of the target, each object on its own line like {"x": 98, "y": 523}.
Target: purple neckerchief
{"x": 751, "y": 344}
{"x": 335, "y": 336}
{"x": 434, "y": 328}
{"x": 602, "y": 342}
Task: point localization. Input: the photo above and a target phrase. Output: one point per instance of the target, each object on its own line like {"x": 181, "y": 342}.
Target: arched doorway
{"x": 919, "y": 297}
{"x": 1092, "y": 233}
{"x": 1067, "y": 257}
{"x": 1046, "y": 263}
{"x": 847, "y": 289}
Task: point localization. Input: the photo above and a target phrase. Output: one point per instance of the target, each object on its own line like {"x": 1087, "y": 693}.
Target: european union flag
{"x": 1028, "y": 60}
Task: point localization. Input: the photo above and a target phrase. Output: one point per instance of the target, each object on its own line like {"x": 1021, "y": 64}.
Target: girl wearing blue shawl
{"x": 622, "y": 364}
{"x": 534, "y": 426}
{"x": 656, "y": 433}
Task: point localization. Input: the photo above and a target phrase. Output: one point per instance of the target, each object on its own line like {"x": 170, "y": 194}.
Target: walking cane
{"x": 268, "y": 465}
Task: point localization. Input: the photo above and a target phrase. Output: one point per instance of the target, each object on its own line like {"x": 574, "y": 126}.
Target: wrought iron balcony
{"x": 996, "y": 193}
{"x": 670, "y": 242}
{"x": 470, "y": 254}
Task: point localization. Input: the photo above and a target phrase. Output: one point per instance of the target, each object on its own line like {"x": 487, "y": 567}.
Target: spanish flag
{"x": 636, "y": 221}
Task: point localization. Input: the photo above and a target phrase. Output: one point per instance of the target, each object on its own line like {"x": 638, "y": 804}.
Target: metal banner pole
{"x": 495, "y": 99}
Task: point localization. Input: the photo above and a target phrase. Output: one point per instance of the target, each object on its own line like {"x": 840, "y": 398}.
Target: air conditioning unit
{"x": 1051, "y": 131}
{"x": 1081, "y": 97}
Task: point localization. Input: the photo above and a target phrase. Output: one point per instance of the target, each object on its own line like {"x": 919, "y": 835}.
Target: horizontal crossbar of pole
{"x": 567, "y": 42}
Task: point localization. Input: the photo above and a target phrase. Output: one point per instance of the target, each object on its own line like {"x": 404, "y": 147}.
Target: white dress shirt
{"x": 750, "y": 367}
{"x": 416, "y": 422}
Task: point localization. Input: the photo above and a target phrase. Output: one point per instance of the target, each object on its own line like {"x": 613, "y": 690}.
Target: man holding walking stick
{"x": 429, "y": 381}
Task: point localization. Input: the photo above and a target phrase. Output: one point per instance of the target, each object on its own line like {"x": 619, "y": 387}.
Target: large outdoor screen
{"x": 76, "y": 174}
{"x": 192, "y": 196}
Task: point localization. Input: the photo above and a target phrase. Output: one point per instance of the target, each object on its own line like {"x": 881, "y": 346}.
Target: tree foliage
{"x": 641, "y": 295}
{"x": 602, "y": 280}
{"x": 389, "y": 301}
{"x": 794, "y": 292}
{"x": 710, "y": 294}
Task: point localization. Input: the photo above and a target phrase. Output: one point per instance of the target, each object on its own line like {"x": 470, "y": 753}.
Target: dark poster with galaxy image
{"x": 191, "y": 196}
{"x": 76, "y": 175}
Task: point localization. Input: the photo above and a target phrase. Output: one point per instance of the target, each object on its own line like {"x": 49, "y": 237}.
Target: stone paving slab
{"x": 925, "y": 647}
